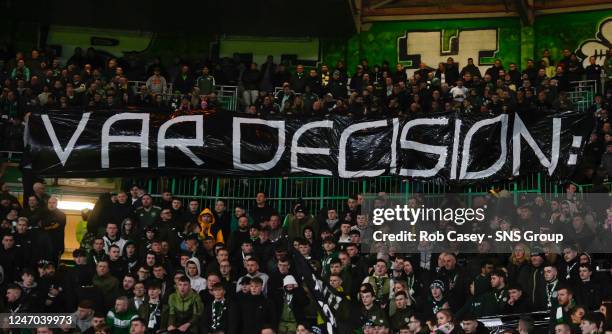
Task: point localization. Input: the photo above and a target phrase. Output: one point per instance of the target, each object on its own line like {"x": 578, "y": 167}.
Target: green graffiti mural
{"x": 585, "y": 33}
{"x": 433, "y": 41}
{"x": 484, "y": 40}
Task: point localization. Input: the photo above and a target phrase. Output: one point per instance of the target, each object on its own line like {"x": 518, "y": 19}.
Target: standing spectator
{"x": 156, "y": 84}
{"x": 267, "y": 75}
{"x": 148, "y": 213}
{"x": 205, "y": 82}
{"x": 262, "y": 211}
{"x": 493, "y": 71}
{"x": 298, "y": 79}
{"x": 254, "y": 312}
{"x": 250, "y": 83}
{"x": 470, "y": 68}
{"x": 593, "y": 71}
{"x": 452, "y": 71}
{"x": 183, "y": 83}
{"x": 54, "y": 223}
{"x": 298, "y": 221}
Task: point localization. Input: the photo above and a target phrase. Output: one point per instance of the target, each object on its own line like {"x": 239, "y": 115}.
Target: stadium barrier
{"x": 583, "y": 93}
{"x": 227, "y": 95}
{"x": 321, "y": 192}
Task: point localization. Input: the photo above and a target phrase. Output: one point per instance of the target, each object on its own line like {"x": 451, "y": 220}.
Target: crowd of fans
{"x": 89, "y": 80}
{"x": 157, "y": 266}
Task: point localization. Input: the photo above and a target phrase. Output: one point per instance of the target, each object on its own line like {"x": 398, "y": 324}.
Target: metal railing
{"x": 10, "y": 156}
{"x": 321, "y": 192}
{"x": 227, "y": 95}
{"x": 583, "y": 93}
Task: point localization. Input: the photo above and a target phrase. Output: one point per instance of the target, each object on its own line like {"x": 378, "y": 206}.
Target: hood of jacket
{"x": 195, "y": 261}
{"x": 204, "y": 212}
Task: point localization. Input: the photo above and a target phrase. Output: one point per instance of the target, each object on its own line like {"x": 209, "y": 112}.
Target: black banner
{"x": 445, "y": 147}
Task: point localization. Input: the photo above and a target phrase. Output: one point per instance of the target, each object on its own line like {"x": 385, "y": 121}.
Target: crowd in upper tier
{"x": 147, "y": 265}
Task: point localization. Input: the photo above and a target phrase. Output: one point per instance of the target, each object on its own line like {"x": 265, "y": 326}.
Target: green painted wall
{"x": 570, "y": 31}
{"x": 482, "y": 39}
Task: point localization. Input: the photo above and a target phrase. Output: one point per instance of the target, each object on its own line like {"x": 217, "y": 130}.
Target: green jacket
{"x": 186, "y": 309}
{"x": 295, "y": 227}
{"x": 120, "y": 322}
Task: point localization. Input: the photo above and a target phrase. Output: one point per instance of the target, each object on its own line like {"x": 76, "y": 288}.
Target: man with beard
{"x": 252, "y": 268}
{"x": 565, "y": 304}
{"x": 54, "y": 223}
{"x": 121, "y": 209}
{"x": 148, "y": 213}
{"x": 239, "y": 236}
{"x": 495, "y": 301}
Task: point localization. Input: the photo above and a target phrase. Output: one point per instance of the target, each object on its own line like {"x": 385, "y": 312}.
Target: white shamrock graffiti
{"x": 597, "y": 47}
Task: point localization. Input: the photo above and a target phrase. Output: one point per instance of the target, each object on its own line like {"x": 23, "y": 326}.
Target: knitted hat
{"x": 437, "y": 284}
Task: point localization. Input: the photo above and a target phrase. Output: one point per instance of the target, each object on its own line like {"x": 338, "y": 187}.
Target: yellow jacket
{"x": 209, "y": 229}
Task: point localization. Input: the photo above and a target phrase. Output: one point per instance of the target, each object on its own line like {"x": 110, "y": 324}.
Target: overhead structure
{"x": 527, "y": 10}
